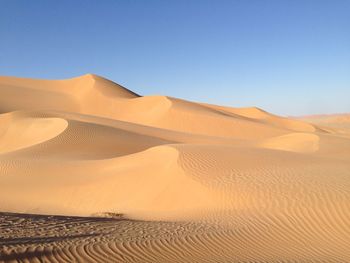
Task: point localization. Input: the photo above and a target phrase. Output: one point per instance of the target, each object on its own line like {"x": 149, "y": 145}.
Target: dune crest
{"x": 18, "y": 132}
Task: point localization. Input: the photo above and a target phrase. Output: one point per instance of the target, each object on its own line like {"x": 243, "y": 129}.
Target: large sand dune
{"x": 179, "y": 181}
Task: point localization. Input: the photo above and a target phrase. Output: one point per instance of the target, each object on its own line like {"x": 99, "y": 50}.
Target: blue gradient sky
{"x": 287, "y": 57}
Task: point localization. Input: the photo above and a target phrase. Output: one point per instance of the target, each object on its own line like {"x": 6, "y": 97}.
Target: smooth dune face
{"x": 193, "y": 182}
{"x": 22, "y": 132}
{"x": 294, "y": 142}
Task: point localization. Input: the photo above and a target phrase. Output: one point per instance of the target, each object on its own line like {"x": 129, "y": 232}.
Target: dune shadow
{"x": 27, "y": 255}
{"x": 41, "y": 239}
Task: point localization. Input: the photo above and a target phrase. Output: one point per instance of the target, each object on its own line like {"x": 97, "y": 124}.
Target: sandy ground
{"x": 134, "y": 178}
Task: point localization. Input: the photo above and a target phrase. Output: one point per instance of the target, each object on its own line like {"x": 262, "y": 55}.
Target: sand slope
{"x": 334, "y": 123}
{"x": 193, "y": 182}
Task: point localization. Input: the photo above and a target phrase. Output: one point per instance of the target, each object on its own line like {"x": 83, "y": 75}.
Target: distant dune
{"x": 341, "y": 122}
{"x": 135, "y": 178}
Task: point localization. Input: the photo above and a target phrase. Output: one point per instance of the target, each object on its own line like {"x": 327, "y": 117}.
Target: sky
{"x": 289, "y": 57}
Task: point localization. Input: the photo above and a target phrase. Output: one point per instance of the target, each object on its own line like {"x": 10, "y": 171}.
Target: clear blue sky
{"x": 289, "y": 57}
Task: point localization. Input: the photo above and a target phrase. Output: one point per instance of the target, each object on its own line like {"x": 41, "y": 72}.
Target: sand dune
{"x": 159, "y": 179}
{"x": 20, "y": 132}
{"x": 295, "y": 142}
{"x": 334, "y": 123}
